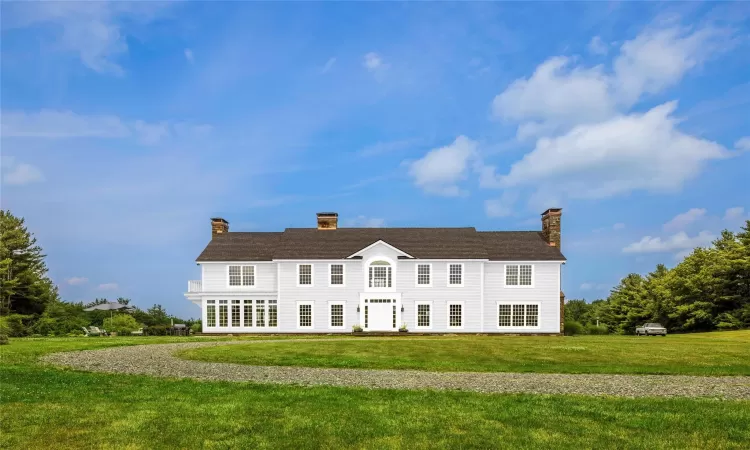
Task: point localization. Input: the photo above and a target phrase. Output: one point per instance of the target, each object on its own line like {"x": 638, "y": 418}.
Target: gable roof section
{"x": 241, "y": 246}
{"x": 519, "y": 246}
{"x": 382, "y": 242}
{"x": 421, "y": 243}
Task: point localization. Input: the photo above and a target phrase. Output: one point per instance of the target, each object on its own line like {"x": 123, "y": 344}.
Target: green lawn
{"x": 724, "y": 353}
{"x": 44, "y": 407}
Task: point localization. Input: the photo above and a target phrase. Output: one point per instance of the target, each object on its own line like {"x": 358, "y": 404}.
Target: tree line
{"x": 708, "y": 290}
{"x": 30, "y": 303}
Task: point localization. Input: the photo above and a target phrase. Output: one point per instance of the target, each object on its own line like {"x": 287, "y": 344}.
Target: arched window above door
{"x": 380, "y": 274}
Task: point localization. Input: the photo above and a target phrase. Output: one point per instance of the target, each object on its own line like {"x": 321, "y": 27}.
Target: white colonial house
{"x": 432, "y": 280}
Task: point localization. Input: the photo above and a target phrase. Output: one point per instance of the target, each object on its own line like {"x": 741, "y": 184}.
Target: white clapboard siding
{"x": 216, "y": 277}
{"x": 546, "y": 292}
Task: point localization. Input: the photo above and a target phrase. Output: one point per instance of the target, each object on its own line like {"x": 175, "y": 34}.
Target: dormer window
{"x": 380, "y": 274}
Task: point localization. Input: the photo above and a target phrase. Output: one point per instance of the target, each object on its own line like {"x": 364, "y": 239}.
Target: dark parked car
{"x": 651, "y": 329}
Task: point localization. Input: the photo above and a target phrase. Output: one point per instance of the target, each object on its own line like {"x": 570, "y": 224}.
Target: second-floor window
{"x": 423, "y": 275}
{"x": 337, "y": 274}
{"x": 455, "y": 274}
{"x": 518, "y": 275}
{"x": 304, "y": 274}
{"x": 380, "y": 274}
{"x": 242, "y": 275}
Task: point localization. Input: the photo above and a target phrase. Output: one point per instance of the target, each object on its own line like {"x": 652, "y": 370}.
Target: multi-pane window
{"x": 455, "y": 315}
{"x": 305, "y": 274}
{"x": 273, "y": 314}
{"x": 248, "y": 319}
{"x": 242, "y": 275}
{"x": 518, "y": 275}
{"x": 517, "y": 315}
{"x": 367, "y": 316}
{"x": 423, "y": 315}
{"x": 305, "y": 315}
{"x": 235, "y": 313}
{"x": 248, "y": 275}
{"x": 380, "y": 274}
{"x": 423, "y": 274}
{"x": 337, "y": 274}
{"x": 394, "y": 316}
{"x": 455, "y": 274}
{"x": 223, "y": 307}
{"x": 260, "y": 313}
{"x": 337, "y": 316}
{"x": 503, "y": 315}
{"x": 210, "y": 313}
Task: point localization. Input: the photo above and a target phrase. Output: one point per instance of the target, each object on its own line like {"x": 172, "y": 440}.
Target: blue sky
{"x": 126, "y": 126}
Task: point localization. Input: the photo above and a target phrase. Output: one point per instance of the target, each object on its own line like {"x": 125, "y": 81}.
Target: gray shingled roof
{"x": 422, "y": 243}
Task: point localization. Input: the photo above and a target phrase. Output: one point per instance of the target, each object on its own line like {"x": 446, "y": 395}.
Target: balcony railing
{"x": 195, "y": 286}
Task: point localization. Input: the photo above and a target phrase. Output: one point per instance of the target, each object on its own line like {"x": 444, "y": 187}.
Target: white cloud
{"x": 503, "y": 206}
{"x": 364, "y": 222}
{"x": 677, "y": 242}
{"x": 618, "y": 226}
{"x": 659, "y": 58}
{"x": 328, "y": 65}
{"x": 372, "y": 62}
{"x": 76, "y": 281}
{"x": 562, "y": 93}
{"x": 95, "y": 31}
{"x": 189, "y": 56}
{"x": 50, "y": 124}
{"x": 19, "y": 174}
{"x": 439, "y": 171}
{"x": 680, "y": 221}
{"x": 625, "y": 153}
{"x": 734, "y": 213}
{"x": 597, "y": 46}
{"x": 555, "y": 94}
{"x": 108, "y": 286}
{"x": 593, "y": 286}
{"x": 743, "y": 144}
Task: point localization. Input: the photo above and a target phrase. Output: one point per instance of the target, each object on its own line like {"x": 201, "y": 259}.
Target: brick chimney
{"x": 219, "y": 226}
{"x": 328, "y": 220}
{"x": 551, "y": 226}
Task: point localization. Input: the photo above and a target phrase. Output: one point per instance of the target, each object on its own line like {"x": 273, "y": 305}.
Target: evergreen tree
{"x": 25, "y": 287}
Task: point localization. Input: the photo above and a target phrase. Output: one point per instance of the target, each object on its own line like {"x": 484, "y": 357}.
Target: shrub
{"x": 121, "y": 324}
{"x": 16, "y": 325}
{"x": 593, "y": 329}
{"x": 156, "y": 330}
{"x": 75, "y": 333}
{"x": 197, "y": 327}
{"x": 4, "y": 339}
{"x": 356, "y": 328}
{"x": 572, "y": 328}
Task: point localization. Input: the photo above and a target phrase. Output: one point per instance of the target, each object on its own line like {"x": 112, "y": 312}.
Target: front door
{"x": 380, "y": 313}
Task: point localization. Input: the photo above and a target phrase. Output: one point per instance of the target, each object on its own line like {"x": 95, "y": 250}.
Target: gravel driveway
{"x": 158, "y": 360}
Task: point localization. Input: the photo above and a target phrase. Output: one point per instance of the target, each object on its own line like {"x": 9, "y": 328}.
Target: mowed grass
{"x": 45, "y": 407}
{"x": 721, "y": 353}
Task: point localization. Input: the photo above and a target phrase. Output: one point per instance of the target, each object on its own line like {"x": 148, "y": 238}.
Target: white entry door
{"x": 380, "y": 314}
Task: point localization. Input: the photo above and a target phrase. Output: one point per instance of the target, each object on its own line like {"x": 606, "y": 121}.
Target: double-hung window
{"x": 260, "y": 313}
{"x": 235, "y": 313}
{"x": 241, "y": 275}
{"x": 248, "y": 310}
{"x": 424, "y": 275}
{"x": 273, "y": 314}
{"x": 455, "y": 274}
{"x": 304, "y": 314}
{"x": 336, "y": 274}
{"x": 424, "y": 315}
{"x": 517, "y": 315}
{"x": 336, "y": 312}
{"x": 519, "y": 275}
{"x": 304, "y": 275}
{"x": 455, "y": 315}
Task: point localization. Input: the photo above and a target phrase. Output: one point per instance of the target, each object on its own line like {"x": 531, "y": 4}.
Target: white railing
{"x": 195, "y": 286}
